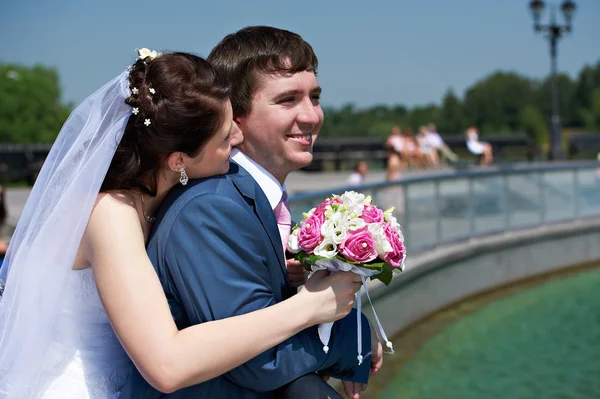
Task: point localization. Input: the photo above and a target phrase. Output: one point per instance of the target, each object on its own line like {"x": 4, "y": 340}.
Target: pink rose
{"x": 372, "y": 214}
{"x": 320, "y": 210}
{"x": 309, "y": 235}
{"x": 319, "y": 213}
{"x": 396, "y": 255}
{"x": 359, "y": 246}
{"x": 331, "y": 201}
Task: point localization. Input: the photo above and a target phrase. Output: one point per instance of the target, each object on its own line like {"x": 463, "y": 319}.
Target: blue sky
{"x": 370, "y": 52}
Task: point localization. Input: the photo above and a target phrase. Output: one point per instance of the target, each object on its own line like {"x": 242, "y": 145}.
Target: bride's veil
{"x": 43, "y": 248}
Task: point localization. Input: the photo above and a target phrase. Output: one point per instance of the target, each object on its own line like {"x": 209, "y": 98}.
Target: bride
{"x": 81, "y": 298}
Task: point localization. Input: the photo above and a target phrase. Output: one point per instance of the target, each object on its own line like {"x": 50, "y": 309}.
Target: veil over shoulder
{"x": 44, "y": 246}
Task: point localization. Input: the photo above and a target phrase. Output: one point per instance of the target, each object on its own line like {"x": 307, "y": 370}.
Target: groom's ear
{"x": 238, "y": 121}
{"x": 175, "y": 161}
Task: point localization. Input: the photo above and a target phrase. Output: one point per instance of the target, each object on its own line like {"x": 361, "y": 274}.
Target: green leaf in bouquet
{"x": 373, "y": 266}
{"x": 389, "y": 268}
{"x": 385, "y": 277}
{"x": 314, "y": 258}
{"x": 304, "y": 259}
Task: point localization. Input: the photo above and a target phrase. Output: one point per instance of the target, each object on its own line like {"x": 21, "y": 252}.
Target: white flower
{"x": 146, "y": 53}
{"x": 152, "y": 91}
{"x": 327, "y": 248}
{"x": 339, "y": 234}
{"x": 351, "y": 197}
{"x": 147, "y": 122}
{"x": 368, "y": 200}
{"x": 293, "y": 241}
{"x": 135, "y": 90}
{"x": 355, "y": 224}
{"x": 394, "y": 223}
{"x": 388, "y": 217}
{"x": 381, "y": 242}
{"x": 332, "y": 209}
{"x": 327, "y": 228}
{"x": 400, "y": 235}
{"x": 355, "y": 202}
{"x": 339, "y": 218}
{"x": 135, "y": 111}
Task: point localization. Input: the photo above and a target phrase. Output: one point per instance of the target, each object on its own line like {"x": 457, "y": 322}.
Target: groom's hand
{"x": 376, "y": 353}
{"x": 353, "y": 389}
{"x": 296, "y": 273}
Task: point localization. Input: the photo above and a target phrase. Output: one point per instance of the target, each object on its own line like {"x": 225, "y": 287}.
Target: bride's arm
{"x": 136, "y": 305}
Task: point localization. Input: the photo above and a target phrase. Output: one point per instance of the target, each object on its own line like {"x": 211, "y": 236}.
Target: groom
{"x": 218, "y": 243}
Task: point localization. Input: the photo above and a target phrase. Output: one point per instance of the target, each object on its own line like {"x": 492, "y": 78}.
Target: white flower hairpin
{"x": 135, "y": 111}
{"x": 147, "y": 122}
{"x": 147, "y": 54}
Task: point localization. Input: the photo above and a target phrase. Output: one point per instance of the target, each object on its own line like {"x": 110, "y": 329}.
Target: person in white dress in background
{"x": 359, "y": 175}
{"x": 479, "y": 147}
{"x": 437, "y": 142}
{"x": 428, "y": 151}
{"x": 81, "y": 304}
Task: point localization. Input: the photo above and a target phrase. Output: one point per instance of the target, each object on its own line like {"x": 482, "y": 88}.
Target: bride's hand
{"x": 330, "y": 297}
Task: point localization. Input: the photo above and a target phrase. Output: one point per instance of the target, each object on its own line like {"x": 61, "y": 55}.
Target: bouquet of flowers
{"x": 348, "y": 233}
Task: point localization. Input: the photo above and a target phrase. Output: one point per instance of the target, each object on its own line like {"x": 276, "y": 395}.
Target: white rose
{"x": 327, "y": 248}
{"x": 293, "y": 241}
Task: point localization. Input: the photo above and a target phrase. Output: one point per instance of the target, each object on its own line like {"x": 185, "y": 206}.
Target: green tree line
{"x": 501, "y": 103}
{"x": 31, "y": 110}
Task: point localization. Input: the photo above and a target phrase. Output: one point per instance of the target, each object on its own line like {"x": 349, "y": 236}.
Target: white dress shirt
{"x": 267, "y": 182}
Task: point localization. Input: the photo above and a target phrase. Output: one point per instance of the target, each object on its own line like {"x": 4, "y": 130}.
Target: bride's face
{"x": 213, "y": 159}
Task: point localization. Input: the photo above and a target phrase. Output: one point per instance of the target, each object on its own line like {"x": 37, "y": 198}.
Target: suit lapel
{"x": 251, "y": 190}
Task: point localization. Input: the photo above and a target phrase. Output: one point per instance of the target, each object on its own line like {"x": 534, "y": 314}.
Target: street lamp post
{"x": 553, "y": 32}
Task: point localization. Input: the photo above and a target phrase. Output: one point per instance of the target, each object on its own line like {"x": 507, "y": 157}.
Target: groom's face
{"x": 283, "y": 122}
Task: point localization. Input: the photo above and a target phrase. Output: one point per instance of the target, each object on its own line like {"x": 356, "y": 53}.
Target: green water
{"x": 541, "y": 343}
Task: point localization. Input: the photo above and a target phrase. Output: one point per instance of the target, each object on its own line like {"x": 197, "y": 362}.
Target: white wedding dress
{"x": 85, "y": 355}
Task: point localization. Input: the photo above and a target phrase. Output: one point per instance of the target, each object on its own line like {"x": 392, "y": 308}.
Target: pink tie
{"x": 284, "y": 219}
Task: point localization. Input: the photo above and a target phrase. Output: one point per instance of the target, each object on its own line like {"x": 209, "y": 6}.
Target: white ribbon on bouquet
{"x": 335, "y": 265}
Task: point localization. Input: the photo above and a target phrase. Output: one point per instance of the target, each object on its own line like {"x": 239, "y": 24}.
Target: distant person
{"x": 393, "y": 146}
{"x": 477, "y": 147}
{"x": 410, "y": 151}
{"x": 429, "y": 153}
{"x": 438, "y": 143}
{"x": 359, "y": 175}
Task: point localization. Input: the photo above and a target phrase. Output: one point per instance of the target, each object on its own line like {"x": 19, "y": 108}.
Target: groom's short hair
{"x": 244, "y": 55}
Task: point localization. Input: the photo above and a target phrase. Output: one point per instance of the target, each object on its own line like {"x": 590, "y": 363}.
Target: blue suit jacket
{"x": 217, "y": 251}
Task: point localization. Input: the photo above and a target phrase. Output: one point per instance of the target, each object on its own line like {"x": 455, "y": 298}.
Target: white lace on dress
{"x": 85, "y": 356}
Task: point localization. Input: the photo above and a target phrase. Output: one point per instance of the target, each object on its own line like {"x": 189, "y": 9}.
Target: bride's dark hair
{"x": 177, "y": 105}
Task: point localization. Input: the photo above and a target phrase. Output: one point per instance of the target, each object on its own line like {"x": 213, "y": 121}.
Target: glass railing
{"x": 443, "y": 208}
